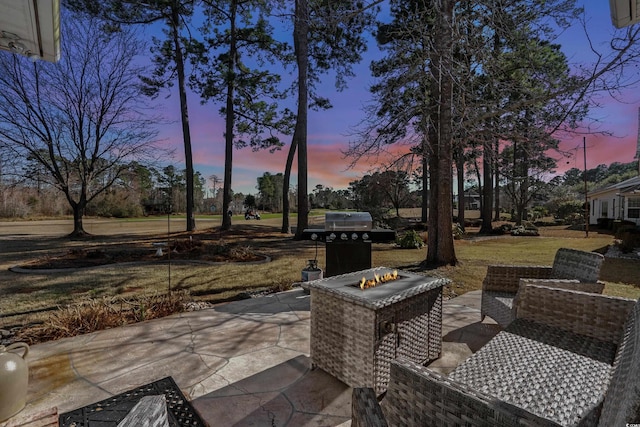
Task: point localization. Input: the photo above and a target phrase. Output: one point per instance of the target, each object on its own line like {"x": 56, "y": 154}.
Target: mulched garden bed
{"x": 186, "y": 249}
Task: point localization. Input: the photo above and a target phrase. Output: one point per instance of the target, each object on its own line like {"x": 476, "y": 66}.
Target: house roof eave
{"x": 623, "y": 186}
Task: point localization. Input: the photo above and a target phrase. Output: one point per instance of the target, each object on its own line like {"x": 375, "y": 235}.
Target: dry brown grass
{"x": 24, "y": 294}
{"x": 104, "y": 313}
{"x": 622, "y": 276}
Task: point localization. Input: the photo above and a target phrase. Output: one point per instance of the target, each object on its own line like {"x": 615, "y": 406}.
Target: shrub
{"x": 410, "y": 240}
{"x": 628, "y": 238}
{"x": 568, "y": 210}
{"x": 503, "y": 229}
{"x": 526, "y": 229}
{"x": 625, "y": 229}
{"x": 114, "y": 205}
{"x": 457, "y": 231}
{"x": 538, "y": 212}
{"x": 622, "y": 226}
{"x": 419, "y": 226}
{"x": 472, "y": 222}
{"x": 575, "y": 219}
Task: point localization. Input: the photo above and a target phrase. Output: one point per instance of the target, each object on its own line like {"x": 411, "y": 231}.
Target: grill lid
{"x": 348, "y": 221}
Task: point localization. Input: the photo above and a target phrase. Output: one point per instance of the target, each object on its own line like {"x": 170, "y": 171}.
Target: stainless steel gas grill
{"x": 348, "y": 237}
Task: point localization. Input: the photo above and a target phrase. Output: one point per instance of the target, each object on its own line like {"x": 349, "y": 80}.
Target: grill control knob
{"x": 332, "y": 236}
{"x": 344, "y": 236}
{"x": 365, "y": 236}
{"x": 314, "y": 236}
{"x": 354, "y": 236}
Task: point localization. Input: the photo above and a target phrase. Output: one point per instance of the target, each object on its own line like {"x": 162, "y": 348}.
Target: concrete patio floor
{"x": 244, "y": 363}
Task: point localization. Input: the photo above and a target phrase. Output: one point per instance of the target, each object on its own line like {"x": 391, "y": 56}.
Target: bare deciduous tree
{"x": 83, "y": 118}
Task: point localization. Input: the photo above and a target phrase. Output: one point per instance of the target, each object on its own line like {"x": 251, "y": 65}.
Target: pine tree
{"x": 236, "y": 31}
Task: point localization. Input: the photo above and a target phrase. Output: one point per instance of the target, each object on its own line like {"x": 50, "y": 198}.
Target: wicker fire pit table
{"x": 356, "y": 333}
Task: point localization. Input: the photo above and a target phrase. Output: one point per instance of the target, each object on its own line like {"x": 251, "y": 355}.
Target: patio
{"x": 241, "y": 363}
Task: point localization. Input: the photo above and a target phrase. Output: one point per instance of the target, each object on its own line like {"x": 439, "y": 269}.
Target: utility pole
{"x": 637, "y": 156}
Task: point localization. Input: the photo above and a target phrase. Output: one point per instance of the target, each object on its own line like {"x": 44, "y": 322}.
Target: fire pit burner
{"x": 378, "y": 280}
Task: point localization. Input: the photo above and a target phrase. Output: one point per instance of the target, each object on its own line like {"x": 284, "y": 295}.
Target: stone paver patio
{"x": 241, "y": 364}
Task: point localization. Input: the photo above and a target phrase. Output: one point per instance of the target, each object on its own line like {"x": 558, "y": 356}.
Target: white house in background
{"x": 620, "y": 201}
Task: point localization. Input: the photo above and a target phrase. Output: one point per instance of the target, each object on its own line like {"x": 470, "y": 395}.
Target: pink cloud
{"x": 329, "y": 135}
{"x": 615, "y": 141}
{"x": 600, "y": 150}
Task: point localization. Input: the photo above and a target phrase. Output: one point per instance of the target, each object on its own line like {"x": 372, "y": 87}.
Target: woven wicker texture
{"x": 570, "y": 284}
{"x": 532, "y": 374}
{"x": 356, "y": 343}
{"x": 602, "y": 318}
{"x": 420, "y": 397}
{"x": 575, "y": 264}
{"x": 366, "y": 412}
{"x": 546, "y": 371}
{"x": 498, "y": 306}
{"x": 506, "y": 278}
{"x": 578, "y": 266}
{"x": 622, "y": 403}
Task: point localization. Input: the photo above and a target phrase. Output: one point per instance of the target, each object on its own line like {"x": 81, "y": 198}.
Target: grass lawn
{"x": 24, "y": 294}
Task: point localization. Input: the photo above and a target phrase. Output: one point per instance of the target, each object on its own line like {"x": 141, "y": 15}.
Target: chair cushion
{"x": 551, "y": 373}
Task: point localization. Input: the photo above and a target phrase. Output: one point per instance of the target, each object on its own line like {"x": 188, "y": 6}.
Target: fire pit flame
{"x": 378, "y": 279}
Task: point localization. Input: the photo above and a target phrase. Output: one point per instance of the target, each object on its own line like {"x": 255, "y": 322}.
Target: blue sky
{"x": 617, "y": 116}
{"x": 329, "y": 130}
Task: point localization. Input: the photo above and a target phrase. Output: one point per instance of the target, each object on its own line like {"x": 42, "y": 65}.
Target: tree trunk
{"x": 479, "y": 180}
{"x": 496, "y": 177}
{"x": 487, "y": 193}
{"x": 440, "y": 249}
{"x": 301, "y": 44}
{"x": 78, "y": 214}
{"x": 78, "y": 229}
{"x": 229, "y": 123}
{"x": 461, "y": 201}
{"x": 514, "y": 186}
{"x": 184, "y": 113}
{"x": 524, "y": 188}
{"x": 425, "y": 180}
{"x": 521, "y": 182}
{"x": 286, "y": 228}
{"x": 432, "y": 221}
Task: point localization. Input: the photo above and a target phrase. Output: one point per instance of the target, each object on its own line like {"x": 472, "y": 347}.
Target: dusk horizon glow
{"x": 330, "y": 131}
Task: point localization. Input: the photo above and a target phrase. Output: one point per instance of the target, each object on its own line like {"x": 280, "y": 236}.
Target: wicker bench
{"x": 570, "y": 358}
{"x": 572, "y": 269}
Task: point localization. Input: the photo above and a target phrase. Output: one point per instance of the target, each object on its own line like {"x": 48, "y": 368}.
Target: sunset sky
{"x": 329, "y": 131}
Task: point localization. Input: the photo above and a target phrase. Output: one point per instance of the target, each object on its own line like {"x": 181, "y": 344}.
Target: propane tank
{"x": 311, "y": 271}
{"x": 14, "y": 378}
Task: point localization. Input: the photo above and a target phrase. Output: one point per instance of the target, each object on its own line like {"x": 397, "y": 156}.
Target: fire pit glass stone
{"x": 356, "y": 333}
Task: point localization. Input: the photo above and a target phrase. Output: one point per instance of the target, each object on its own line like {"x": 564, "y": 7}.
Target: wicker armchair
{"x": 572, "y": 269}
{"x": 570, "y": 358}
